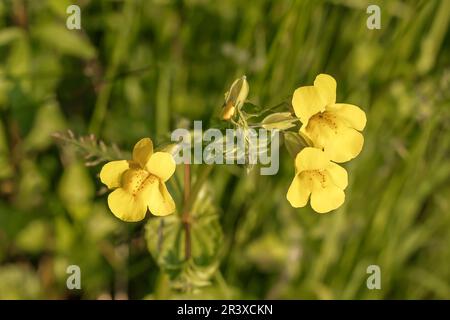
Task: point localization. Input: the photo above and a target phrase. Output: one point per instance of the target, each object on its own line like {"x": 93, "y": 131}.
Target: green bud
{"x": 279, "y": 120}
{"x": 235, "y": 97}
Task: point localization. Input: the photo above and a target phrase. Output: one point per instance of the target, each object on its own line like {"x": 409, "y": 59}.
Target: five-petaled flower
{"x": 140, "y": 183}
{"x": 332, "y": 127}
{"x": 318, "y": 177}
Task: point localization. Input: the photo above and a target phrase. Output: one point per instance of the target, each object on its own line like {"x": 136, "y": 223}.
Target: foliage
{"x": 166, "y": 242}
{"x": 142, "y": 68}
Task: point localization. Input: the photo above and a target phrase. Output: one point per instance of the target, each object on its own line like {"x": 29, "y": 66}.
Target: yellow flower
{"x": 139, "y": 183}
{"x": 332, "y": 127}
{"x": 318, "y": 177}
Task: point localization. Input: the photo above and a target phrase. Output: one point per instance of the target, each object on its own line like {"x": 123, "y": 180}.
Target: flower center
{"x": 323, "y": 119}
{"x": 316, "y": 176}
{"x": 135, "y": 180}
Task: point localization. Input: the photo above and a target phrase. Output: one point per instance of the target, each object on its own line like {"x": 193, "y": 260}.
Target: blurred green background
{"x": 142, "y": 68}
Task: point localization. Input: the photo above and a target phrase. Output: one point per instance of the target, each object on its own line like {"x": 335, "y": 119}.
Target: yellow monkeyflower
{"x": 140, "y": 183}
{"x": 332, "y": 127}
{"x": 318, "y": 177}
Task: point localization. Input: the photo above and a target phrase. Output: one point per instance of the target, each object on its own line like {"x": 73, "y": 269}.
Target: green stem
{"x": 186, "y": 218}
{"x": 202, "y": 176}
{"x": 190, "y": 195}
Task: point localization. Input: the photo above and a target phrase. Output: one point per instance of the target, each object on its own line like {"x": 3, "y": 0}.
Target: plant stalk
{"x": 186, "y": 217}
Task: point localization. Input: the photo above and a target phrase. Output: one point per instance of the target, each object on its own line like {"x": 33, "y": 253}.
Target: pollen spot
{"x": 323, "y": 119}
{"x": 135, "y": 180}
{"x": 318, "y": 176}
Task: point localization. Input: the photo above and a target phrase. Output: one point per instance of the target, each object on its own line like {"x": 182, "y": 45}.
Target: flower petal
{"x": 326, "y": 199}
{"x": 345, "y": 145}
{"x": 127, "y": 207}
{"x": 160, "y": 202}
{"x": 340, "y": 142}
{"x": 162, "y": 165}
{"x": 351, "y": 115}
{"x": 307, "y": 102}
{"x": 326, "y": 85}
{"x": 310, "y": 159}
{"x": 338, "y": 175}
{"x": 142, "y": 151}
{"x": 111, "y": 173}
{"x": 299, "y": 191}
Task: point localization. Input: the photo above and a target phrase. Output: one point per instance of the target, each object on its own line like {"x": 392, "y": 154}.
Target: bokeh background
{"x": 142, "y": 68}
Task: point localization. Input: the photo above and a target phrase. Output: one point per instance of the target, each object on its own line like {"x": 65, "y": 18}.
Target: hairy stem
{"x": 189, "y": 199}
{"x": 186, "y": 218}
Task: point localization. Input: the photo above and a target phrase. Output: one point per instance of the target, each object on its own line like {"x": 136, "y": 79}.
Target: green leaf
{"x": 32, "y": 184}
{"x": 251, "y": 109}
{"x": 18, "y": 281}
{"x": 66, "y": 41}
{"x": 48, "y": 120}
{"x": 33, "y": 238}
{"x": 166, "y": 238}
{"x": 294, "y": 142}
{"x": 6, "y": 169}
{"x": 76, "y": 189}
{"x": 10, "y": 34}
{"x": 19, "y": 59}
{"x": 59, "y": 7}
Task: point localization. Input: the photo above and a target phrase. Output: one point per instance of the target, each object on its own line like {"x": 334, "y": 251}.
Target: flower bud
{"x": 279, "y": 120}
{"x": 235, "y": 97}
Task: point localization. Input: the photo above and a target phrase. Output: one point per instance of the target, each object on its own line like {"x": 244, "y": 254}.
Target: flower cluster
{"x": 333, "y": 132}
